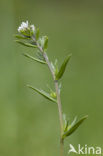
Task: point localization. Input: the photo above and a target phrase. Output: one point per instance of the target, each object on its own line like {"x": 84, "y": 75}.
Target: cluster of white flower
{"x": 25, "y": 26}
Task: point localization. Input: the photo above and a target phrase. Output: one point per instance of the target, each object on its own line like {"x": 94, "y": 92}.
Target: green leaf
{"x": 56, "y": 67}
{"x": 35, "y": 59}
{"x": 21, "y": 37}
{"x": 43, "y": 93}
{"x": 37, "y": 34}
{"x": 26, "y": 44}
{"x": 63, "y": 67}
{"x": 45, "y": 42}
{"x": 72, "y": 124}
{"x": 66, "y": 122}
{"x": 74, "y": 127}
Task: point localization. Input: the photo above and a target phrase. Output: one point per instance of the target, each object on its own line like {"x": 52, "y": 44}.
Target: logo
{"x": 84, "y": 150}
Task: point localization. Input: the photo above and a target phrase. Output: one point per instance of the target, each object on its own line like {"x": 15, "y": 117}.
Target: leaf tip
{"x": 28, "y": 86}
{"x": 86, "y": 117}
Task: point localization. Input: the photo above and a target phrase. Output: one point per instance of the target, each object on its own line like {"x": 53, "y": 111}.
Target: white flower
{"x": 23, "y": 27}
{"x": 26, "y": 29}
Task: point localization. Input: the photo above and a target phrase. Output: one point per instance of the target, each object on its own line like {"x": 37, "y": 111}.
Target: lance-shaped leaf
{"x": 45, "y": 43}
{"x": 74, "y": 127}
{"x": 72, "y": 124}
{"x": 44, "y": 94}
{"x": 34, "y": 59}
{"x": 65, "y": 123}
{"x": 63, "y": 67}
{"x": 21, "y": 37}
{"x": 26, "y": 44}
{"x": 37, "y": 33}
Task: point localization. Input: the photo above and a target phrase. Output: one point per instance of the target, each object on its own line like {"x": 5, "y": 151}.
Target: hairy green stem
{"x": 58, "y": 99}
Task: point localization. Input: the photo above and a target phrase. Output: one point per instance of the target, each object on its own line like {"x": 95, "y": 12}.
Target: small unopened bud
{"x": 53, "y": 94}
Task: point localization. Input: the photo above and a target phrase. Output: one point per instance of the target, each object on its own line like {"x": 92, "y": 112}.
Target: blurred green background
{"x": 29, "y": 124}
